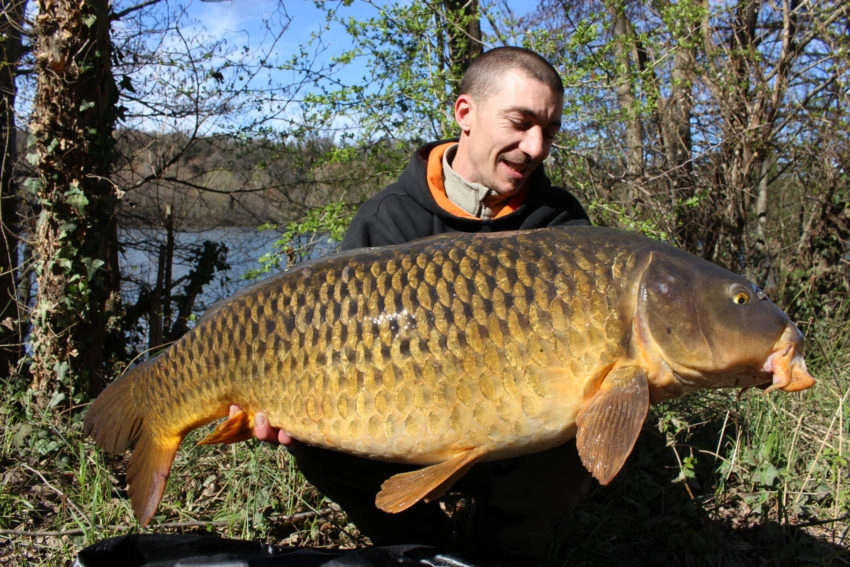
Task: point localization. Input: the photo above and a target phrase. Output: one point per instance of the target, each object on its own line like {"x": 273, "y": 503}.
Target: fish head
{"x": 710, "y": 328}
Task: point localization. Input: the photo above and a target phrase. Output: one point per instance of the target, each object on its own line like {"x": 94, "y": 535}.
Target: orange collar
{"x": 434, "y": 175}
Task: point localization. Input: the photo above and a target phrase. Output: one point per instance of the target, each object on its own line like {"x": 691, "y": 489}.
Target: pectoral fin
{"x": 401, "y": 491}
{"x": 238, "y": 427}
{"x": 609, "y": 423}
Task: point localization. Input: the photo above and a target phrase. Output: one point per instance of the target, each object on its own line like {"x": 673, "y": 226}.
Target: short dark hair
{"x": 482, "y": 74}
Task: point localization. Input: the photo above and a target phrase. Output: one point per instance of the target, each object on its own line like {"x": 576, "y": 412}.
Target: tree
{"x": 175, "y": 97}
{"x": 207, "y": 137}
{"x": 462, "y": 27}
{"x": 414, "y": 56}
{"x": 78, "y": 305}
{"x": 683, "y": 119}
{"x": 11, "y": 44}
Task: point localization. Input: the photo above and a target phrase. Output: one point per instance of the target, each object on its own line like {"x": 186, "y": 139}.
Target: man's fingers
{"x": 284, "y": 439}
{"x": 263, "y": 429}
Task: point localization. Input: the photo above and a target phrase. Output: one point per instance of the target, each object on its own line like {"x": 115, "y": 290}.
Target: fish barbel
{"x": 453, "y": 350}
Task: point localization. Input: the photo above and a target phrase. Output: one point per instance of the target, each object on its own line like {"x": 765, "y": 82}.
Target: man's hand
{"x": 264, "y": 431}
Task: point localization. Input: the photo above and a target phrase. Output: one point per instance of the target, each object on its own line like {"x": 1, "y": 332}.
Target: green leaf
{"x": 79, "y": 202}
{"x": 92, "y": 266}
{"x": 58, "y": 397}
{"x": 32, "y": 184}
{"x": 767, "y": 474}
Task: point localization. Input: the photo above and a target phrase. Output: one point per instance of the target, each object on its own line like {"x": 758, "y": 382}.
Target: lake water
{"x": 139, "y": 259}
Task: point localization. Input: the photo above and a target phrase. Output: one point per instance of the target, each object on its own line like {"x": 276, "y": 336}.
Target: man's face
{"x": 505, "y": 136}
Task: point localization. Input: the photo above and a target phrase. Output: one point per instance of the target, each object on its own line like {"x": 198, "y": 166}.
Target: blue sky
{"x": 231, "y": 18}
{"x": 243, "y": 21}
{"x": 243, "y": 18}
{"x": 252, "y": 25}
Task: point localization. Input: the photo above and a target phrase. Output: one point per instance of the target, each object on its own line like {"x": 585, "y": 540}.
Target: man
{"x": 490, "y": 179}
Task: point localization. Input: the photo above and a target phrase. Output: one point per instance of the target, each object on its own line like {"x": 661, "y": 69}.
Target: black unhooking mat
{"x": 185, "y": 550}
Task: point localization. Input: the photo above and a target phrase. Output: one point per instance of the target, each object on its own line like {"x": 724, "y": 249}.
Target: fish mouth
{"x": 788, "y": 368}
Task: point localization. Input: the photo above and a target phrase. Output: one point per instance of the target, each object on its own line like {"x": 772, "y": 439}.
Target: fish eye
{"x": 740, "y": 297}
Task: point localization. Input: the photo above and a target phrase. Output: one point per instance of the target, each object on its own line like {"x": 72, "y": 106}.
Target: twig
{"x": 64, "y": 496}
{"x": 814, "y": 523}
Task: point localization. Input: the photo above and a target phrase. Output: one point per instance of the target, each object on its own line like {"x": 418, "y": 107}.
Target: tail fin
{"x": 116, "y": 425}
{"x": 113, "y": 420}
{"x": 147, "y": 473}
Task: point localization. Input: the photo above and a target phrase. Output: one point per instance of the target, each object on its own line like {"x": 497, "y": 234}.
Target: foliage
{"x": 317, "y": 234}
{"x": 698, "y": 118}
{"x": 58, "y": 495}
{"x": 406, "y": 90}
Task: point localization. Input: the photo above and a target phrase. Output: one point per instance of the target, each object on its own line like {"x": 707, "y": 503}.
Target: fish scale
{"x": 437, "y": 305}
{"x": 452, "y": 350}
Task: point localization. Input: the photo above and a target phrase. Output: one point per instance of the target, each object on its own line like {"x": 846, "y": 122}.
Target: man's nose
{"x": 534, "y": 144}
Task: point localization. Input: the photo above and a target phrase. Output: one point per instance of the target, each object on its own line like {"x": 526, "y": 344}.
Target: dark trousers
{"x": 514, "y": 508}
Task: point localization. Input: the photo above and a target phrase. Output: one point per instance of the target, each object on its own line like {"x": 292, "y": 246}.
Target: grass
{"x": 717, "y": 478}
{"x": 58, "y": 494}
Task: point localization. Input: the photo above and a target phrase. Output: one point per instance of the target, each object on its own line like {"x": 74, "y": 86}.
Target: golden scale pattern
{"x": 367, "y": 352}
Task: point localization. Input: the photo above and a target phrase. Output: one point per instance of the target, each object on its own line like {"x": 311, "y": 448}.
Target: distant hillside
{"x": 223, "y": 181}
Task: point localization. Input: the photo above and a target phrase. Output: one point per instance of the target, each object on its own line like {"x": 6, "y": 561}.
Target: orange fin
{"x": 609, "y": 423}
{"x": 401, "y": 491}
{"x": 147, "y": 473}
{"x": 238, "y": 427}
{"x": 116, "y": 425}
{"x": 113, "y": 420}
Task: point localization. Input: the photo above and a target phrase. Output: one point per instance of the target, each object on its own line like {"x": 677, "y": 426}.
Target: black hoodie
{"x": 406, "y": 211}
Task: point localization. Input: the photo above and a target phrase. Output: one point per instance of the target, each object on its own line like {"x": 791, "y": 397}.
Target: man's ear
{"x": 464, "y": 109}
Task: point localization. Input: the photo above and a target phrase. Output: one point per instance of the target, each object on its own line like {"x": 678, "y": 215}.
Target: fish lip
{"x": 788, "y": 368}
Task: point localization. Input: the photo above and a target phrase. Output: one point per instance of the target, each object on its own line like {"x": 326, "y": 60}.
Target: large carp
{"x": 453, "y": 350}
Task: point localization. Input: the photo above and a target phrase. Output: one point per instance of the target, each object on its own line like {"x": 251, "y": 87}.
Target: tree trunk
{"x": 675, "y": 118}
{"x": 624, "y": 45}
{"x": 464, "y": 36}
{"x": 77, "y": 306}
{"x": 11, "y": 336}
